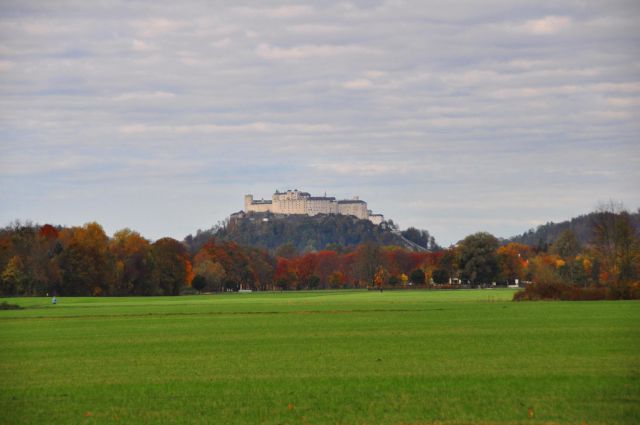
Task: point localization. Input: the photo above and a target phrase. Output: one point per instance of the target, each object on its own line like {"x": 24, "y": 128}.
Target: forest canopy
{"x": 335, "y": 252}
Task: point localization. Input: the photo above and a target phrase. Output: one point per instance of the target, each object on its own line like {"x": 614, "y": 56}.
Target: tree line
{"x": 40, "y": 260}
{"x": 582, "y": 226}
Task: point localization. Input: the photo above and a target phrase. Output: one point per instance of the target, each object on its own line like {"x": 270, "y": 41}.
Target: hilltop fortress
{"x": 296, "y": 202}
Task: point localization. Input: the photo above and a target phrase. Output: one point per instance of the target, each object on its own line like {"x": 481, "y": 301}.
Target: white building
{"x": 296, "y": 202}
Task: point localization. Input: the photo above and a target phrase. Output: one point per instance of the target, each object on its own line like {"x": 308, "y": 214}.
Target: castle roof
{"x": 322, "y": 198}
{"x": 277, "y": 192}
{"x": 351, "y": 201}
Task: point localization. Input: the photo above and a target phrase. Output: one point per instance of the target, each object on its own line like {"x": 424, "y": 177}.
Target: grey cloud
{"x": 447, "y": 116}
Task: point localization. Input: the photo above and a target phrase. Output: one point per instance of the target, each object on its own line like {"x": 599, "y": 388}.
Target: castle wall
{"x": 322, "y": 206}
{"x": 256, "y": 206}
{"x": 290, "y": 206}
{"x": 290, "y": 202}
{"x": 376, "y": 218}
{"x": 266, "y": 207}
{"x": 355, "y": 208}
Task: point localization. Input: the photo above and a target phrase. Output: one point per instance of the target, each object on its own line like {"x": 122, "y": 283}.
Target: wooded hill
{"x": 582, "y": 226}
{"x": 310, "y": 233}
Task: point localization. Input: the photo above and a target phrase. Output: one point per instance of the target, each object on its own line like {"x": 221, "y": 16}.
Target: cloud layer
{"x": 453, "y": 117}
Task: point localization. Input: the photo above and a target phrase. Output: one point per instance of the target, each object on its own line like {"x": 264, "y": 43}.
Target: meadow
{"x": 343, "y": 357}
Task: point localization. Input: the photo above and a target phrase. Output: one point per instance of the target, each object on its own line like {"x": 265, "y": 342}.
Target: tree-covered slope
{"x": 582, "y": 226}
{"x": 304, "y": 233}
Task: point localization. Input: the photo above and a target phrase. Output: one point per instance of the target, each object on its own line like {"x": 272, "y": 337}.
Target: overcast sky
{"x": 450, "y": 116}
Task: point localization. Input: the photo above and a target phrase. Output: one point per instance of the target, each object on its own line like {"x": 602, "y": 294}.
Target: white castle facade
{"x": 296, "y": 202}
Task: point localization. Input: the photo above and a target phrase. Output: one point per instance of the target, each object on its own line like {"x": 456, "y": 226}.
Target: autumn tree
{"x": 349, "y": 268}
{"x": 261, "y": 267}
{"x": 6, "y": 248}
{"x": 627, "y": 249}
{"x": 170, "y": 260}
{"x": 545, "y": 267}
{"x": 616, "y": 244}
{"x": 396, "y": 260}
{"x": 238, "y": 270}
{"x": 447, "y": 268}
{"x": 49, "y": 247}
{"x": 327, "y": 262}
{"x": 228, "y": 265}
{"x": 367, "y": 261}
{"x": 567, "y": 245}
{"x": 285, "y": 274}
{"x": 85, "y": 261}
{"x": 429, "y": 262}
{"x": 512, "y": 261}
{"x": 336, "y": 279}
{"x": 380, "y": 277}
{"x": 603, "y": 225}
{"x": 211, "y": 271}
{"x": 13, "y": 277}
{"x": 27, "y": 267}
{"x": 133, "y": 263}
{"x": 305, "y": 268}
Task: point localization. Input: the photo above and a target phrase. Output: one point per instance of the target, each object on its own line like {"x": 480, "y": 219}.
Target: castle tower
{"x": 248, "y": 199}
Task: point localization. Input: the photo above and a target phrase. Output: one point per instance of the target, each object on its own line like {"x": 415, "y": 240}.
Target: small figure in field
{"x": 54, "y": 300}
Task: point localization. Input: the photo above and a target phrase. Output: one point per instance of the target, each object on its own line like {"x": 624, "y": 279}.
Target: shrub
{"x": 556, "y": 290}
{"x": 187, "y": 290}
{"x": 199, "y": 282}
{"x": 417, "y": 277}
{"x": 313, "y": 282}
{"x": 440, "y": 276}
{"x": 6, "y": 306}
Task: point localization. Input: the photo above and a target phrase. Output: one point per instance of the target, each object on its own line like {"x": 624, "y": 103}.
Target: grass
{"x": 351, "y": 357}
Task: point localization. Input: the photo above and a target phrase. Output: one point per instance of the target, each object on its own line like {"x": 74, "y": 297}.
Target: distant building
{"x": 296, "y": 202}
{"x": 376, "y": 218}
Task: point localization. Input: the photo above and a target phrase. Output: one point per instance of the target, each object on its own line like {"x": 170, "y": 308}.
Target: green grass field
{"x": 398, "y": 357}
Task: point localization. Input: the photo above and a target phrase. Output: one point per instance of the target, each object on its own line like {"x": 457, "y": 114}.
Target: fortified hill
{"x": 296, "y": 202}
